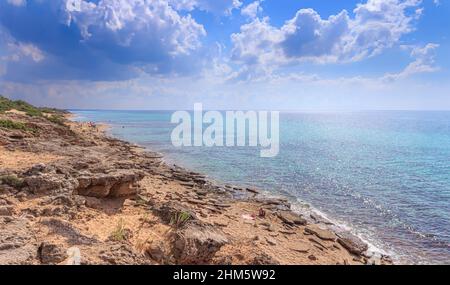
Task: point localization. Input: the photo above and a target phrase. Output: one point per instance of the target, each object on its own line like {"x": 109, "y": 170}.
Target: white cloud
{"x": 424, "y": 62}
{"x": 18, "y": 51}
{"x": 18, "y": 3}
{"x": 251, "y": 10}
{"x": 376, "y": 25}
{"x": 135, "y": 24}
{"x": 218, "y": 7}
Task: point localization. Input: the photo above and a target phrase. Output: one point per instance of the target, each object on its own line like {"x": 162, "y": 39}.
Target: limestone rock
{"x": 50, "y": 253}
{"x": 291, "y": 218}
{"x": 17, "y": 242}
{"x": 321, "y": 233}
{"x": 352, "y": 243}
{"x": 197, "y": 244}
{"x": 6, "y": 210}
{"x": 116, "y": 184}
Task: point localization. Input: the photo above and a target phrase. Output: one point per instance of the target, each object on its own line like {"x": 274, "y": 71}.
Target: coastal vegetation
{"x": 11, "y": 180}
{"x": 51, "y": 114}
{"x": 13, "y": 125}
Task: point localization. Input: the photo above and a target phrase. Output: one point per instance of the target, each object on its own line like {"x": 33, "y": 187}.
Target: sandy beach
{"x": 70, "y": 194}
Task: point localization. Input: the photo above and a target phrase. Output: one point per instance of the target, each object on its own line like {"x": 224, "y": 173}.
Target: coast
{"x": 71, "y": 194}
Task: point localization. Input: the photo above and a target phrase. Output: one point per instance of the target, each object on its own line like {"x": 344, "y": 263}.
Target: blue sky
{"x": 227, "y": 54}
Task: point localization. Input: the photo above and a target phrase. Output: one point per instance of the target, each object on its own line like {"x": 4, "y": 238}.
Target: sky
{"x": 227, "y": 54}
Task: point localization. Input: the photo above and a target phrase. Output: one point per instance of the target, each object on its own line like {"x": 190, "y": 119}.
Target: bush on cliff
{"x": 52, "y": 115}
{"x": 12, "y": 125}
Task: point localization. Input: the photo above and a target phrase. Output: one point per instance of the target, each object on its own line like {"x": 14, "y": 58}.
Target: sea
{"x": 384, "y": 175}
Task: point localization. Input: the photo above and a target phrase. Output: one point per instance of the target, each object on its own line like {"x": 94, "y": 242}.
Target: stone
{"x": 291, "y": 218}
{"x": 6, "y": 210}
{"x": 252, "y": 190}
{"x": 49, "y": 183}
{"x": 121, "y": 254}
{"x": 321, "y": 233}
{"x": 271, "y": 241}
{"x": 116, "y": 184}
{"x": 352, "y": 243}
{"x": 197, "y": 244}
{"x": 156, "y": 252}
{"x": 301, "y": 247}
{"x": 263, "y": 259}
{"x": 50, "y": 253}
{"x": 18, "y": 242}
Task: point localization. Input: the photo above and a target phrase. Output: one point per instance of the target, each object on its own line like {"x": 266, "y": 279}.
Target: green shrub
{"x": 12, "y": 181}
{"x": 20, "y": 105}
{"x": 59, "y": 120}
{"x": 8, "y": 124}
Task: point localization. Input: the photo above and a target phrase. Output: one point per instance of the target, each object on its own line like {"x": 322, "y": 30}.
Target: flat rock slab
{"x": 301, "y": 247}
{"x": 321, "y": 233}
{"x": 291, "y": 218}
{"x": 352, "y": 243}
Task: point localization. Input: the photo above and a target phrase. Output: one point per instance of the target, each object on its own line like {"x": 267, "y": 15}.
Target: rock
{"x": 17, "y": 135}
{"x": 286, "y": 232}
{"x": 121, "y": 254}
{"x": 321, "y": 233}
{"x": 252, "y": 190}
{"x": 319, "y": 219}
{"x": 352, "y": 243}
{"x": 156, "y": 252}
{"x": 6, "y": 210}
{"x": 50, "y": 183}
{"x": 36, "y": 169}
{"x": 221, "y": 223}
{"x": 116, "y": 184}
{"x": 271, "y": 241}
{"x": 291, "y": 218}
{"x": 263, "y": 259}
{"x": 276, "y": 202}
{"x": 301, "y": 247}
{"x": 197, "y": 244}
{"x": 50, "y": 253}
{"x": 18, "y": 242}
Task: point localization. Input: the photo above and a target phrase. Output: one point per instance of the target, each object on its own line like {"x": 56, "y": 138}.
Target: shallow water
{"x": 385, "y": 174}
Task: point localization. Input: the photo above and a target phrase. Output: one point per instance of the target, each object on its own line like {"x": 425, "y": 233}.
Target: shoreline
{"x": 113, "y": 202}
{"x": 311, "y": 214}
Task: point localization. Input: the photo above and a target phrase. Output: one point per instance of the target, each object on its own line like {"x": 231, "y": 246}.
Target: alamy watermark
{"x": 229, "y": 128}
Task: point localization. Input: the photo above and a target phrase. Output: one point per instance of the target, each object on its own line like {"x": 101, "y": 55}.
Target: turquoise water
{"x": 384, "y": 174}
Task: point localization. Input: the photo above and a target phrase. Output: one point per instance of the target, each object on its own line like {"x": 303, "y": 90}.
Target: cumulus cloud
{"x": 251, "y": 10}
{"x": 374, "y": 26}
{"x": 218, "y": 7}
{"x": 103, "y": 40}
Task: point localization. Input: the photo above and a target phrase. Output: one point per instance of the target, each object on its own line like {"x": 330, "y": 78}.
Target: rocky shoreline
{"x": 69, "y": 194}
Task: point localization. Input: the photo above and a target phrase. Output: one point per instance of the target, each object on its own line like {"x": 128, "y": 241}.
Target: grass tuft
{"x": 119, "y": 233}
{"x": 180, "y": 219}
